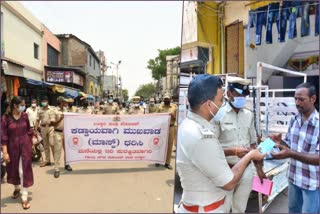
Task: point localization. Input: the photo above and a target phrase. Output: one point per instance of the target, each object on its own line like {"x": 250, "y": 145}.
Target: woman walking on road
{"x": 17, "y": 149}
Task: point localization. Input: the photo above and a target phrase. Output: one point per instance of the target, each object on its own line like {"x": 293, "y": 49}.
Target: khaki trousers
{"x": 48, "y": 141}
{"x": 58, "y": 142}
{"x": 170, "y": 144}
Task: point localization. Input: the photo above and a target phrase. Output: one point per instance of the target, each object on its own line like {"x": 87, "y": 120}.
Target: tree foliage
{"x": 125, "y": 94}
{"x": 158, "y": 65}
{"x": 146, "y": 90}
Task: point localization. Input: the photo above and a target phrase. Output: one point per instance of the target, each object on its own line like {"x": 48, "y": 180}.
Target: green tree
{"x": 145, "y": 90}
{"x": 158, "y": 65}
{"x": 125, "y": 94}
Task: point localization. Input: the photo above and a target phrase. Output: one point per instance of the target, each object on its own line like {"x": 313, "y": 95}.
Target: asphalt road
{"x": 97, "y": 187}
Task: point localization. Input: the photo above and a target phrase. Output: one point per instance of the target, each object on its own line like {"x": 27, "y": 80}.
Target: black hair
{"x": 311, "y": 88}
{"x": 202, "y": 88}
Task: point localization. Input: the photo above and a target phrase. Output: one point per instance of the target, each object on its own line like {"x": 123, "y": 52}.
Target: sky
{"x": 127, "y": 31}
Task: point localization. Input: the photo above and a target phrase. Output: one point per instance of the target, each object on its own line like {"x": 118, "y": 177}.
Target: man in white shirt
{"x": 32, "y": 112}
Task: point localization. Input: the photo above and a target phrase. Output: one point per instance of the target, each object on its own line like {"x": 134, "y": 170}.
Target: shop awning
{"x": 35, "y": 82}
{"x": 70, "y": 93}
{"x": 12, "y": 69}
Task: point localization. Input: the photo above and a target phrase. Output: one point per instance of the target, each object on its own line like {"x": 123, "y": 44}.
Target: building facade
{"x": 79, "y": 54}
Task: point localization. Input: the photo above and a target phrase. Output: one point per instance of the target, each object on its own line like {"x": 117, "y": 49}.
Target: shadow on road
{"x": 9, "y": 200}
{"x": 150, "y": 168}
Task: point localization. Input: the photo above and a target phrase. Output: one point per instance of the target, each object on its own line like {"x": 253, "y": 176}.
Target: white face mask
{"x": 21, "y": 108}
{"x": 220, "y": 114}
{"x": 34, "y": 105}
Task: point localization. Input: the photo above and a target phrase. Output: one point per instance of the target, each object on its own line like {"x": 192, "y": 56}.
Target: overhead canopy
{"x": 70, "y": 93}
{"x": 35, "y": 82}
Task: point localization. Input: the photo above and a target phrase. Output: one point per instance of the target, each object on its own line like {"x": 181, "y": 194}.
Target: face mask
{"x": 220, "y": 114}
{"x": 21, "y": 108}
{"x": 152, "y": 103}
{"x": 239, "y": 102}
{"x": 110, "y": 101}
{"x": 44, "y": 104}
{"x": 136, "y": 105}
{"x": 167, "y": 102}
{"x": 85, "y": 105}
{"x": 34, "y": 105}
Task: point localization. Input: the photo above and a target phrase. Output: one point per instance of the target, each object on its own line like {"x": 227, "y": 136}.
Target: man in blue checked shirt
{"x": 301, "y": 144}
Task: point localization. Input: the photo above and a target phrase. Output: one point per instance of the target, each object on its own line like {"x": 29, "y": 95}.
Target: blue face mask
{"x": 220, "y": 114}
{"x": 239, "y": 102}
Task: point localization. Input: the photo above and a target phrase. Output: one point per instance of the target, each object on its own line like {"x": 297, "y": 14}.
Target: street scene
{"x": 89, "y": 106}
{"x": 248, "y": 139}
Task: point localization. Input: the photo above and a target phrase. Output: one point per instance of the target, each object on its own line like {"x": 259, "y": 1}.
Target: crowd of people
{"x": 20, "y": 125}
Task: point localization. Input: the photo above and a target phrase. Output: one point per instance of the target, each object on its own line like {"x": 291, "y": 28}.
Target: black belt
{"x": 171, "y": 125}
{"x": 57, "y": 130}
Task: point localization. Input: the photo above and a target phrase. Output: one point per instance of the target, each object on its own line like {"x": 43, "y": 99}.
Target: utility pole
{"x": 117, "y": 80}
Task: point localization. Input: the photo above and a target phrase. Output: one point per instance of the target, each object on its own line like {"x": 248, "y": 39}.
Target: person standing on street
{"x": 168, "y": 107}
{"x": 111, "y": 107}
{"x": 32, "y": 113}
{"x": 301, "y": 145}
{"x": 85, "y": 107}
{"x": 56, "y": 120}
{"x": 152, "y": 106}
{"x": 16, "y": 135}
{"x": 43, "y": 119}
{"x": 136, "y": 108}
{"x": 235, "y": 131}
{"x": 205, "y": 175}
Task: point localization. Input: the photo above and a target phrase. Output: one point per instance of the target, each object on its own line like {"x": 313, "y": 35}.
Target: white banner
{"x": 116, "y": 137}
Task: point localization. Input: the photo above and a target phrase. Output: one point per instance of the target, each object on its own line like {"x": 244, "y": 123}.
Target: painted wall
{"x": 51, "y": 39}
{"x": 209, "y": 34}
{"x": 21, "y": 31}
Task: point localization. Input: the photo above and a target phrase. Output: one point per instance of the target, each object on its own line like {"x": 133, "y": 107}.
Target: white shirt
{"x": 201, "y": 163}
{"x": 32, "y": 115}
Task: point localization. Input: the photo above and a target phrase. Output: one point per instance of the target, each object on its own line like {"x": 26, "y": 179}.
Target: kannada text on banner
{"x": 116, "y": 137}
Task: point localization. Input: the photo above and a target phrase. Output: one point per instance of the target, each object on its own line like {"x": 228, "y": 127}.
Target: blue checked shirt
{"x": 304, "y": 138}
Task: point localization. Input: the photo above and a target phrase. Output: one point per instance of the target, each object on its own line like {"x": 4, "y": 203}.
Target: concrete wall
{"x": 21, "y": 31}
{"x": 94, "y": 69}
{"x": 77, "y": 53}
{"x": 51, "y": 39}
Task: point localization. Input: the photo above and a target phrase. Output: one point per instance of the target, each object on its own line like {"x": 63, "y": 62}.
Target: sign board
{"x": 59, "y": 76}
{"x": 116, "y": 137}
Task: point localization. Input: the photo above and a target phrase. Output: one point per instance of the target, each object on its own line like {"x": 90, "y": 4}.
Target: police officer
{"x": 70, "y": 107}
{"x": 43, "y": 119}
{"x": 111, "y": 107}
{"x": 85, "y": 107}
{"x": 204, "y": 173}
{"x": 56, "y": 120}
{"x": 237, "y": 136}
{"x": 168, "y": 107}
{"x": 152, "y": 106}
{"x": 136, "y": 108}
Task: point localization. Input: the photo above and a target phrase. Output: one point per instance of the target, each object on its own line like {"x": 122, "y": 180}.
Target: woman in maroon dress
{"x": 17, "y": 149}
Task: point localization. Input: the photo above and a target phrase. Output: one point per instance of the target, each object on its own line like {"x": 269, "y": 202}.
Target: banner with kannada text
{"x": 116, "y": 137}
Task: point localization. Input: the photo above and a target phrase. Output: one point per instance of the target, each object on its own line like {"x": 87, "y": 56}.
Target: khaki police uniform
{"x": 237, "y": 130}
{"x": 136, "y": 110}
{"x": 201, "y": 165}
{"x": 111, "y": 109}
{"x": 84, "y": 110}
{"x": 153, "y": 108}
{"x": 73, "y": 109}
{"x": 56, "y": 115}
{"x": 46, "y": 130}
{"x": 169, "y": 109}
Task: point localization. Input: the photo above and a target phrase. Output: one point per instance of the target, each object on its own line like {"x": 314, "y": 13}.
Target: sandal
{"x": 15, "y": 194}
{"x": 26, "y": 205}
